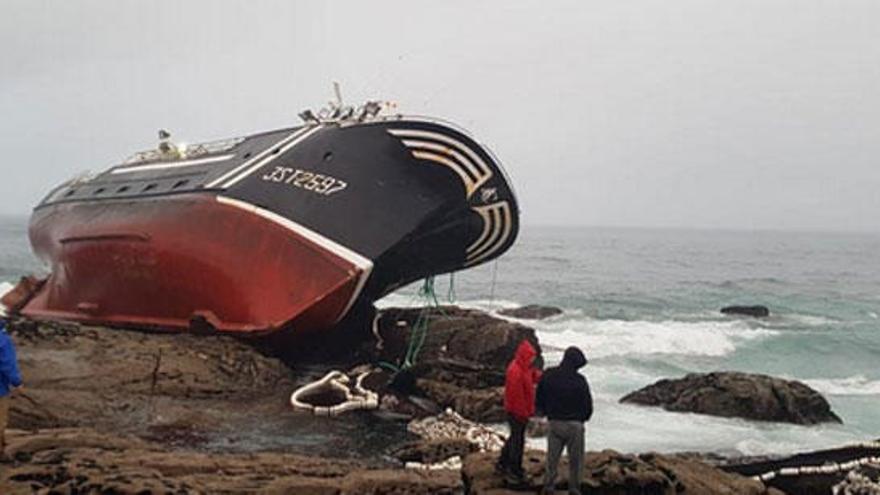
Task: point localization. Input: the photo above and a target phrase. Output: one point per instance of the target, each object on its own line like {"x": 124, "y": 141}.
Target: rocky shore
{"x": 120, "y": 411}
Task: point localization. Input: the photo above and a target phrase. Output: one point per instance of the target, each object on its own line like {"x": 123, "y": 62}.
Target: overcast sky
{"x": 759, "y": 114}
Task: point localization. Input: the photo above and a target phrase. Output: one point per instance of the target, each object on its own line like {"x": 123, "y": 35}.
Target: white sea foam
{"x": 853, "y": 385}
{"x": 809, "y": 320}
{"x": 618, "y": 337}
{"x": 4, "y": 288}
{"x": 873, "y": 315}
{"x": 630, "y": 428}
{"x": 410, "y": 299}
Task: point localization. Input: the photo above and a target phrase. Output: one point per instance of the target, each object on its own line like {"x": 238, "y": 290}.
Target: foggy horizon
{"x": 745, "y": 116}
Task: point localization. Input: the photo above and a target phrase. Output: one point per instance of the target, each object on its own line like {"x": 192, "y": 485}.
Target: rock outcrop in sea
{"x": 531, "y": 312}
{"x": 756, "y": 311}
{"x": 735, "y": 394}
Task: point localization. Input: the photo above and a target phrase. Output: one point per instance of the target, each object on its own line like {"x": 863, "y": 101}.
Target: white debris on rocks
{"x": 450, "y": 425}
{"x": 453, "y": 463}
{"x": 827, "y": 468}
{"x": 858, "y": 483}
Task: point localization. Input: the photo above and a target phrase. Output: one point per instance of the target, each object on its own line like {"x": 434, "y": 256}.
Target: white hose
{"x": 359, "y": 398}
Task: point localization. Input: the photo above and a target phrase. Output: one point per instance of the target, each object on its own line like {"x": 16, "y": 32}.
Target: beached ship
{"x": 286, "y": 229}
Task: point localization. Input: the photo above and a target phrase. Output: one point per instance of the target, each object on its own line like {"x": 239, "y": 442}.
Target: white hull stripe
{"x": 300, "y": 137}
{"x": 497, "y": 224}
{"x": 463, "y": 160}
{"x": 250, "y": 162}
{"x": 259, "y": 157}
{"x": 363, "y": 264}
{"x": 164, "y": 165}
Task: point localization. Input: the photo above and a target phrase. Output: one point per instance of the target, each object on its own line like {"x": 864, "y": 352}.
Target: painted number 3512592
{"x": 310, "y": 181}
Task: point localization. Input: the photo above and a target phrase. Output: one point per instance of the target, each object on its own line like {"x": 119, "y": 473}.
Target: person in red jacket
{"x": 519, "y": 403}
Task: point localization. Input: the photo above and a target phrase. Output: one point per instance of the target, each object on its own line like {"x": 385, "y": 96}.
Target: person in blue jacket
{"x": 10, "y": 379}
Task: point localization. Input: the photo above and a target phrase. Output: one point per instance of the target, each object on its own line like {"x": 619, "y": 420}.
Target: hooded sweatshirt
{"x": 519, "y": 383}
{"x": 563, "y": 393}
{"x": 9, "y": 375}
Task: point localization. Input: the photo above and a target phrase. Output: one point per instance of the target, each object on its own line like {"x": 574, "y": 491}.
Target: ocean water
{"x": 643, "y": 305}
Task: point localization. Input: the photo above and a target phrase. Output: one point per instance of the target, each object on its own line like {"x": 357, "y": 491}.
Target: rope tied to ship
{"x": 427, "y": 297}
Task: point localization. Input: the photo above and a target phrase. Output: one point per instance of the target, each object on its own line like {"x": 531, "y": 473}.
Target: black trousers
{"x": 512, "y": 452}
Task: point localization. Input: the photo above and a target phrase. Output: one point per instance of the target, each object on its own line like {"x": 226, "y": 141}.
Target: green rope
{"x": 419, "y": 332}
{"x": 427, "y": 294}
{"x": 450, "y": 294}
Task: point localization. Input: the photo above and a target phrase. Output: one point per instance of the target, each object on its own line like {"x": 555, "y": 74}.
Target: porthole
{"x": 149, "y": 187}
{"x": 122, "y": 189}
{"x": 99, "y": 190}
{"x": 179, "y": 184}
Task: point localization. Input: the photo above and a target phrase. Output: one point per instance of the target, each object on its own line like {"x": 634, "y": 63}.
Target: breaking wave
{"x": 853, "y": 385}
{"x": 605, "y": 338}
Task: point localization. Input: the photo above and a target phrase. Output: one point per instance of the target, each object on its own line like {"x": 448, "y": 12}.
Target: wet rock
{"x": 756, "y": 311}
{"x": 455, "y": 334}
{"x": 485, "y": 405}
{"x": 462, "y": 361}
{"x": 609, "y": 472}
{"x": 734, "y": 394}
{"x": 12, "y": 301}
{"x": 171, "y": 388}
{"x": 85, "y": 461}
{"x": 434, "y": 451}
{"x": 531, "y": 312}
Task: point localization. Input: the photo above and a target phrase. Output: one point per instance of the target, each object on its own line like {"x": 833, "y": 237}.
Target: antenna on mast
{"x": 338, "y": 93}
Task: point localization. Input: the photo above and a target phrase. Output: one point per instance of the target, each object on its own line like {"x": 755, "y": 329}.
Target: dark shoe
{"x": 5, "y": 459}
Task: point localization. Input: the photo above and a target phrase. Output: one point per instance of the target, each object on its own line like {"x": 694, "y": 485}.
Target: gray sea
{"x": 643, "y": 305}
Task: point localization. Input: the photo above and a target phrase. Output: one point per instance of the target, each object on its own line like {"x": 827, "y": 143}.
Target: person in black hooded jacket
{"x": 563, "y": 395}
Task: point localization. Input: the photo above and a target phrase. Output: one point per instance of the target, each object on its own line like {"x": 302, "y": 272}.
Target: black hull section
{"x": 419, "y": 199}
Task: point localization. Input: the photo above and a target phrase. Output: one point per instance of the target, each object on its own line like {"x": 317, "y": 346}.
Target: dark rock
{"x": 531, "y": 312}
{"x": 485, "y": 405}
{"x": 837, "y": 464}
{"x": 462, "y": 335}
{"x": 609, "y": 472}
{"x": 23, "y": 291}
{"x": 734, "y": 394}
{"x": 462, "y": 361}
{"x": 80, "y": 460}
{"x": 756, "y": 311}
{"x": 433, "y": 451}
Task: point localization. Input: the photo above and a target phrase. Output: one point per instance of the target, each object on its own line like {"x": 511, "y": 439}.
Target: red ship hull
{"x": 169, "y": 261}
